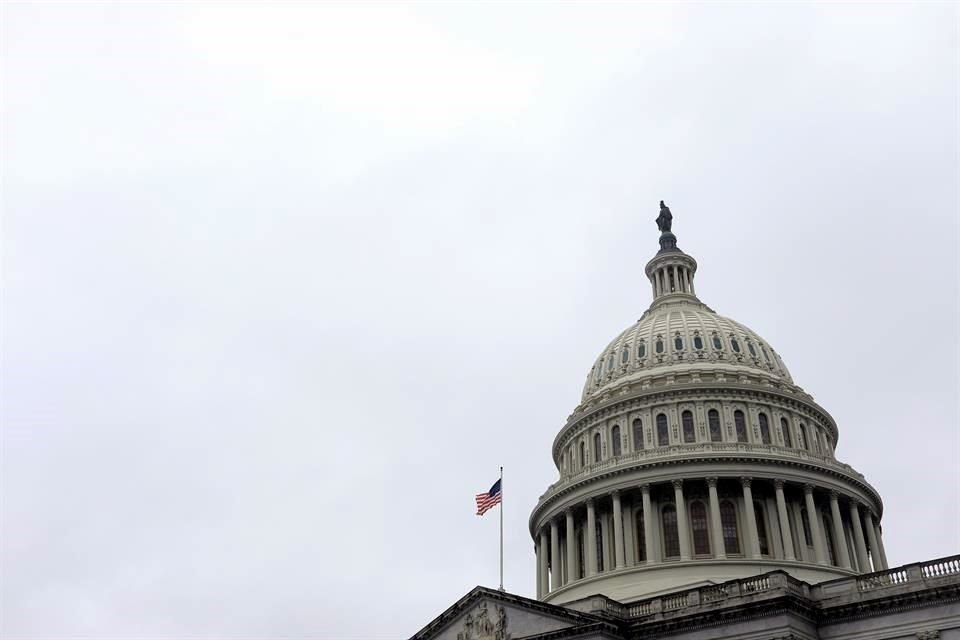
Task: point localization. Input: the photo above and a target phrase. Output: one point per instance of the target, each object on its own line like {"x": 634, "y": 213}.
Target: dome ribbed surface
{"x": 634, "y": 353}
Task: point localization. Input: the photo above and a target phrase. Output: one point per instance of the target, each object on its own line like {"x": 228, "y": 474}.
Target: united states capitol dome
{"x": 693, "y": 458}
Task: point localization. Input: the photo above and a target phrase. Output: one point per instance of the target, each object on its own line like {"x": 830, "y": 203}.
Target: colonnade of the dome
{"x": 714, "y": 519}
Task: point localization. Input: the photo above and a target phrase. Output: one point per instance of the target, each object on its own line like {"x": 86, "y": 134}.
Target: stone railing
{"x": 880, "y": 580}
{"x": 695, "y": 450}
{"x": 773, "y": 584}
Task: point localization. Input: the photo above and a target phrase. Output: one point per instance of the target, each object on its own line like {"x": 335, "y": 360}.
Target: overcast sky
{"x": 284, "y": 285}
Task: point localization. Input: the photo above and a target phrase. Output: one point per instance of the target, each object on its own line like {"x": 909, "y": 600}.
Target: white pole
{"x": 501, "y": 528}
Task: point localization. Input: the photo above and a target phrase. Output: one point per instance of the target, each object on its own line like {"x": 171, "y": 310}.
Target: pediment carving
{"x": 480, "y": 624}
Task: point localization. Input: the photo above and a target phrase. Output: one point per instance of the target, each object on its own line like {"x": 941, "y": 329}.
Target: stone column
{"x": 571, "y": 547}
{"x": 883, "y": 552}
{"x": 617, "y": 531}
{"x": 872, "y": 538}
{"x": 687, "y": 279}
{"x": 683, "y": 524}
{"x": 753, "y": 538}
{"x": 544, "y": 570}
{"x": 785, "y": 532}
{"x": 536, "y": 551}
{"x": 556, "y": 573}
{"x": 591, "y": 551}
{"x": 629, "y": 534}
{"x": 653, "y": 555}
{"x": 716, "y": 526}
{"x": 858, "y": 541}
{"x": 818, "y": 544}
{"x": 839, "y": 540}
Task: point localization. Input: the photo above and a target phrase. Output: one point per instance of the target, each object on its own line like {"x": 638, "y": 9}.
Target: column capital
{"x": 615, "y": 493}
{"x": 568, "y": 511}
{"x": 808, "y": 488}
{"x": 712, "y": 481}
{"x": 589, "y": 502}
{"x": 745, "y": 481}
{"x": 834, "y": 495}
{"x": 677, "y": 484}
{"x": 645, "y": 488}
{"x": 778, "y": 483}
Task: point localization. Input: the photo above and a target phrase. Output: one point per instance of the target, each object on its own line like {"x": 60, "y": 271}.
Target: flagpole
{"x": 501, "y": 528}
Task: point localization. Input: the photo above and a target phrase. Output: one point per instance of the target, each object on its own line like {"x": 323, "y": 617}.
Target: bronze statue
{"x": 665, "y": 219}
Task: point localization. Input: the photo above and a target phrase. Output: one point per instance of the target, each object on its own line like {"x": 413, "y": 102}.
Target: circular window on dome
{"x": 697, "y": 342}
{"x": 641, "y": 349}
{"x": 734, "y": 344}
{"x": 717, "y": 343}
{"x": 659, "y": 345}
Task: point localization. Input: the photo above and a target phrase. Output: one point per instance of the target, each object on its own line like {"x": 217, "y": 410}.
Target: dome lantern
{"x": 671, "y": 271}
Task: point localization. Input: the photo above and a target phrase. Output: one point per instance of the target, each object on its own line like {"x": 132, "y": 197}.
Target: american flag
{"x": 489, "y": 499}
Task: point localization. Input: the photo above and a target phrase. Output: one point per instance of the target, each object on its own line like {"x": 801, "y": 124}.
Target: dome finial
{"x": 668, "y": 241}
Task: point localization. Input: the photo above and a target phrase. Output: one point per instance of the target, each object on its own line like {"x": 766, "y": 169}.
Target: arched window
{"x": 596, "y": 447}
{"x": 663, "y": 434}
{"x": 625, "y": 355}
{"x": 785, "y": 428}
{"x": 807, "y": 533}
{"x": 713, "y": 420}
{"x": 698, "y": 522}
{"x": 734, "y": 344}
{"x": 610, "y": 363}
{"x": 717, "y": 342}
{"x": 828, "y": 537}
{"x": 741, "y": 425}
{"x": 728, "y": 520}
{"x": 764, "y": 428}
{"x": 637, "y": 435}
{"x": 641, "y": 349}
{"x": 697, "y": 342}
{"x": 641, "y": 537}
{"x": 758, "y": 512}
{"x": 671, "y": 535}
{"x": 753, "y": 351}
{"x": 599, "y": 546}
{"x": 678, "y": 343}
{"x": 615, "y": 437}
{"x": 689, "y": 435}
{"x": 764, "y": 351}
{"x": 815, "y": 439}
{"x": 659, "y": 345}
{"x": 804, "y": 442}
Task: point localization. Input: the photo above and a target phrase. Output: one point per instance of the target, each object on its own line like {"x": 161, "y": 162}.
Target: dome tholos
{"x": 693, "y": 458}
